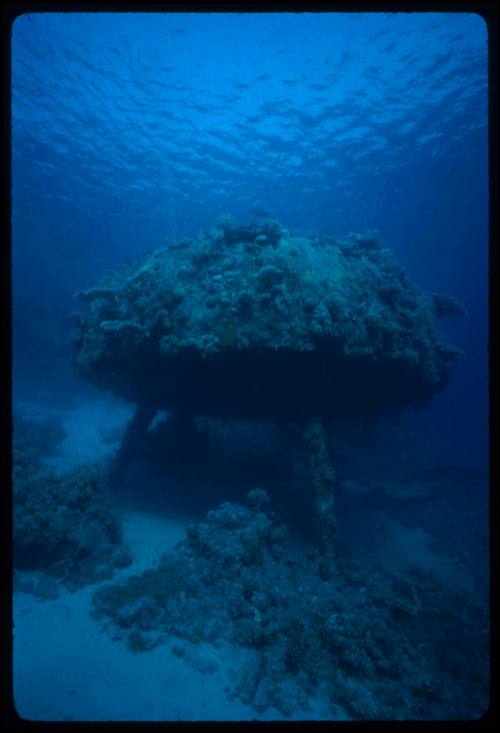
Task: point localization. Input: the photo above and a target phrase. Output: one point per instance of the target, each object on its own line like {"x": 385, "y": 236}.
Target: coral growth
{"x": 375, "y": 645}
{"x": 63, "y": 524}
{"x": 252, "y": 321}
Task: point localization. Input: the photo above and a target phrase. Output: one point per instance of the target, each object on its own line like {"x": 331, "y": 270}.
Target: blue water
{"x": 130, "y": 131}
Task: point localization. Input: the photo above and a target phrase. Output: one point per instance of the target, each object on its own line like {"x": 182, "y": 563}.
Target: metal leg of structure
{"x": 323, "y": 478}
{"x": 131, "y": 443}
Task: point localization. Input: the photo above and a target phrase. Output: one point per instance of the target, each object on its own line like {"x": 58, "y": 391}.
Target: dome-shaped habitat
{"x": 254, "y": 322}
{"x": 257, "y": 322}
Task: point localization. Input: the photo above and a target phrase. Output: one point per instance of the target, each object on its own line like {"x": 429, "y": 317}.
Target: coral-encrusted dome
{"x": 256, "y": 322}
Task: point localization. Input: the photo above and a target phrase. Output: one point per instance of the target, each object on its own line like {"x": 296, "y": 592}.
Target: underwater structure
{"x": 257, "y": 322}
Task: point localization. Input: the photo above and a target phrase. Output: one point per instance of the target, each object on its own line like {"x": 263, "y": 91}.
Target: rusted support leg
{"x": 131, "y": 443}
{"x": 323, "y": 478}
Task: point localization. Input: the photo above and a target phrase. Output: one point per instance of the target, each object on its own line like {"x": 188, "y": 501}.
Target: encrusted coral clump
{"x": 374, "y": 645}
{"x": 63, "y": 524}
{"x": 251, "y": 320}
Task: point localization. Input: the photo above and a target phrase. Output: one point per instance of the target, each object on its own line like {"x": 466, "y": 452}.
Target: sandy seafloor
{"x": 66, "y": 667}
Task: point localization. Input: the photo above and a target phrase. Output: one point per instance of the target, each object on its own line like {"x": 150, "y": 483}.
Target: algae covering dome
{"x": 258, "y": 322}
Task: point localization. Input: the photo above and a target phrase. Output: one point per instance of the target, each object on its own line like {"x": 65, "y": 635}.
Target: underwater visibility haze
{"x": 250, "y": 384}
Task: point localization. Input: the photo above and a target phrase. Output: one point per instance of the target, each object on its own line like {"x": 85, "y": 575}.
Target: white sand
{"x": 66, "y": 667}
{"x": 93, "y": 430}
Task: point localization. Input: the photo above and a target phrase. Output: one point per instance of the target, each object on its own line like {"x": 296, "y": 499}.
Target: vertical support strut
{"x": 323, "y": 479}
{"x": 131, "y": 442}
